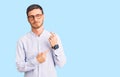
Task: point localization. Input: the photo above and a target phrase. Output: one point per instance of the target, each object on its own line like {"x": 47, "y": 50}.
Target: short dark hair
{"x": 34, "y": 6}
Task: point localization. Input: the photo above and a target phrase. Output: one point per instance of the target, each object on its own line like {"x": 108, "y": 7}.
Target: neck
{"x": 38, "y": 31}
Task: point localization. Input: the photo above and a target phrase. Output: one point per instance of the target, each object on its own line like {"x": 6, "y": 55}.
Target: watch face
{"x": 56, "y": 46}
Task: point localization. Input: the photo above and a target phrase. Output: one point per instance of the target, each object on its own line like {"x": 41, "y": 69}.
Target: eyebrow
{"x": 35, "y": 14}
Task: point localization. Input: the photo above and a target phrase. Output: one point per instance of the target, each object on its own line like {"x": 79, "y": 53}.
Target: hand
{"x": 53, "y": 39}
{"x": 41, "y": 57}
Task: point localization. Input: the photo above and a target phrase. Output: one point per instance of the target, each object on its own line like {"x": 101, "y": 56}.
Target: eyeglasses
{"x": 32, "y": 17}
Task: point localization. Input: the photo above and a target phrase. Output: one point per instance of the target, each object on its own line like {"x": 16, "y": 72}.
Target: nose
{"x": 35, "y": 19}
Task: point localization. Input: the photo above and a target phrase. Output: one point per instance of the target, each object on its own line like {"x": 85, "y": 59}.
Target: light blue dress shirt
{"x": 28, "y": 48}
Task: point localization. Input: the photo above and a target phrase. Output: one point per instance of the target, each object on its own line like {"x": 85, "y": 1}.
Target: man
{"x": 39, "y": 51}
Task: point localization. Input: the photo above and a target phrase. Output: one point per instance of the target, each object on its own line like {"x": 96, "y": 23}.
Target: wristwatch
{"x": 55, "y": 47}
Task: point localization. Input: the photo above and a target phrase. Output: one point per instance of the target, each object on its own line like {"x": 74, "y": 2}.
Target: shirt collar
{"x": 34, "y": 35}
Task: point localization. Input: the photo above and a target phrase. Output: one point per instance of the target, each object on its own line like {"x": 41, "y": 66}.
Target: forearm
{"x": 58, "y": 52}
{"x": 22, "y": 62}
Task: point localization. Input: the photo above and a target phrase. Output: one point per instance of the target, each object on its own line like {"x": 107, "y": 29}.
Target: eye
{"x": 31, "y": 17}
{"x": 38, "y": 15}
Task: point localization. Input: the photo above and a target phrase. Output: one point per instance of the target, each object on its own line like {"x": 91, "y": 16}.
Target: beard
{"x": 37, "y": 25}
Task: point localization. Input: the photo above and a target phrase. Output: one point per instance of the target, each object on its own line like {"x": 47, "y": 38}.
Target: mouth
{"x": 36, "y": 22}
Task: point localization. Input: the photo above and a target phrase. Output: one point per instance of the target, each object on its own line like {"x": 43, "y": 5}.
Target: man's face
{"x": 35, "y": 18}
